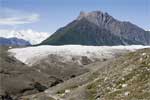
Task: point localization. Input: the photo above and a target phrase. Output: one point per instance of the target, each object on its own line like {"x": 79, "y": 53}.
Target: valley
{"x": 126, "y": 77}
{"x": 52, "y": 50}
{"x": 64, "y": 73}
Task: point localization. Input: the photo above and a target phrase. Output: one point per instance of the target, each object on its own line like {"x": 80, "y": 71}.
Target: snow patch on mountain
{"x": 31, "y": 55}
{"x": 29, "y": 35}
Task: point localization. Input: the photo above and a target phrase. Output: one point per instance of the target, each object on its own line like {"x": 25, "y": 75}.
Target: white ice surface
{"x": 30, "y": 55}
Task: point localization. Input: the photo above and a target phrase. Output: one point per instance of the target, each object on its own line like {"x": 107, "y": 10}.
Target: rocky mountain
{"x": 29, "y": 35}
{"x": 13, "y": 42}
{"x": 98, "y": 28}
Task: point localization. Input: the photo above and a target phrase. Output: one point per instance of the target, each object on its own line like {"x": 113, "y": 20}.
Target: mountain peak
{"x": 82, "y": 15}
{"x": 92, "y": 14}
{"x": 89, "y": 14}
{"x": 97, "y": 17}
{"x": 98, "y": 28}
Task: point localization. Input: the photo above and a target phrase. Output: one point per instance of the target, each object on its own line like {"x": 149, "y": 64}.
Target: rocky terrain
{"x": 70, "y": 74}
{"x": 98, "y": 28}
{"x": 124, "y": 78}
{"x": 94, "y": 57}
{"x": 101, "y": 71}
{"x": 18, "y": 79}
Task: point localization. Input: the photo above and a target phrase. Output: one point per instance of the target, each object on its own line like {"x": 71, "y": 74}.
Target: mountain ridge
{"x": 97, "y": 23}
{"x": 13, "y": 42}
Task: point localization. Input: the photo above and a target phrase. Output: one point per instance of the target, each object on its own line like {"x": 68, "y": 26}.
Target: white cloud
{"x": 15, "y": 17}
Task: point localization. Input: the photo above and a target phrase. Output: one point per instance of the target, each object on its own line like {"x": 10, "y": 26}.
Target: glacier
{"x": 33, "y": 54}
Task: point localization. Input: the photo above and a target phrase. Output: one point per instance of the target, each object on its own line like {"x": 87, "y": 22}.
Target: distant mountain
{"x": 97, "y": 28}
{"x": 28, "y": 35}
{"x": 13, "y": 42}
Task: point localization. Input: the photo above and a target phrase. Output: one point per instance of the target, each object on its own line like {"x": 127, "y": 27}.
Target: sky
{"x": 50, "y": 15}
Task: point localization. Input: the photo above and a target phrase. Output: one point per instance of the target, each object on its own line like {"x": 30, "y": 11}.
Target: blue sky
{"x": 49, "y": 15}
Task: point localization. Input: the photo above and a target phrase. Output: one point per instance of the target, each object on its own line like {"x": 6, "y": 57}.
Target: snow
{"x": 31, "y": 55}
{"x": 29, "y": 35}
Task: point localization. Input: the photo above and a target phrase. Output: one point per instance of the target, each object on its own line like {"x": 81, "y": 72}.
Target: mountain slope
{"x": 124, "y": 78}
{"x": 13, "y": 42}
{"x": 29, "y": 35}
{"x": 86, "y": 33}
{"x": 48, "y": 66}
{"x": 97, "y": 28}
{"x": 18, "y": 79}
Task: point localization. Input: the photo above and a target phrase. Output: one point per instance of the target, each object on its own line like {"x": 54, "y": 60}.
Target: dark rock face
{"x": 97, "y": 28}
{"x": 13, "y": 42}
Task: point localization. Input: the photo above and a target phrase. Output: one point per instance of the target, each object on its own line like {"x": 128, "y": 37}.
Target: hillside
{"x": 63, "y": 68}
{"x": 98, "y": 28}
{"x": 126, "y": 78}
{"x": 18, "y": 79}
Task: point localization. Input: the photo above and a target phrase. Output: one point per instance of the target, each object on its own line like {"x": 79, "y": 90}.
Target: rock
{"x": 124, "y": 85}
{"x": 143, "y": 54}
{"x": 126, "y": 93}
{"x": 67, "y": 91}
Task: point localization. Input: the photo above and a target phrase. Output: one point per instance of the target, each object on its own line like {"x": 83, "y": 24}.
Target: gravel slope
{"x": 123, "y": 78}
